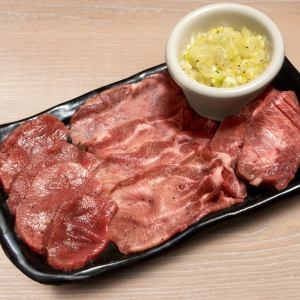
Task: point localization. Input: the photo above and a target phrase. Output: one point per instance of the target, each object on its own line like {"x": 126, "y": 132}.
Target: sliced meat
{"x": 58, "y": 153}
{"x": 147, "y": 128}
{"x": 133, "y": 135}
{"x": 118, "y": 167}
{"x": 153, "y": 109}
{"x": 230, "y": 135}
{"x": 136, "y": 126}
{"x": 51, "y": 187}
{"x": 29, "y": 139}
{"x": 79, "y": 232}
{"x": 165, "y": 200}
{"x": 155, "y": 97}
{"x": 263, "y": 139}
{"x": 270, "y": 154}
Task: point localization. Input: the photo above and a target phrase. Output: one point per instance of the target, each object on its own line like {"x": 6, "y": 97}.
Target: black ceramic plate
{"x": 35, "y": 266}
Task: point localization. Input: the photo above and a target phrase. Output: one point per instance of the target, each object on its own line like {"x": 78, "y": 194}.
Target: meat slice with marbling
{"x": 160, "y": 202}
{"x": 136, "y": 126}
{"x": 121, "y": 119}
{"x": 155, "y": 97}
{"x": 120, "y": 166}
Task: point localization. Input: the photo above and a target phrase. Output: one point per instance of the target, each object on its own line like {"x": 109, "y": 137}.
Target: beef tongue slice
{"x": 29, "y": 139}
{"x": 263, "y": 139}
{"x": 60, "y": 152}
{"x": 51, "y": 187}
{"x": 78, "y": 232}
{"x": 162, "y": 201}
{"x": 64, "y": 216}
{"x": 270, "y": 154}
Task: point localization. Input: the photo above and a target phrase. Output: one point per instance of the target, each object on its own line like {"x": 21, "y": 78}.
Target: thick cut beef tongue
{"x": 28, "y": 140}
{"x": 51, "y": 187}
{"x": 61, "y": 152}
{"x": 271, "y": 150}
{"x": 78, "y": 232}
{"x": 230, "y": 135}
{"x": 263, "y": 139}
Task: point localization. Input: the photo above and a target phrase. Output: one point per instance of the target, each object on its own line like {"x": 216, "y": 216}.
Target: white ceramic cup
{"x": 217, "y": 103}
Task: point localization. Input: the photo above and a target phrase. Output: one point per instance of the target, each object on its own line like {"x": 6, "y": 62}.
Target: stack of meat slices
{"x": 155, "y": 161}
{"x": 166, "y": 167}
{"x": 150, "y": 155}
{"x": 57, "y": 203}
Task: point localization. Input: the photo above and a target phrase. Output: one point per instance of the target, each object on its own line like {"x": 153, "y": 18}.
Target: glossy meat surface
{"x": 144, "y": 135}
{"x": 229, "y": 137}
{"x": 79, "y": 231}
{"x": 123, "y": 119}
{"x": 97, "y": 120}
{"x": 29, "y": 139}
{"x": 270, "y": 154}
{"x": 120, "y": 166}
{"x": 165, "y": 200}
{"x": 263, "y": 139}
{"x": 59, "y": 153}
{"x": 51, "y": 187}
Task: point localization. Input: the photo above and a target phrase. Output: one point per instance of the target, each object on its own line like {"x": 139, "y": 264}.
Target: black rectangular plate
{"x": 35, "y": 266}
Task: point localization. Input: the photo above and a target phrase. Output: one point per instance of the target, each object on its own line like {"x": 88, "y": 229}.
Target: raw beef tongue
{"x": 51, "y": 187}
{"x": 78, "y": 232}
{"x": 27, "y": 140}
{"x": 155, "y": 97}
{"x": 165, "y": 200}
{"x": 64, "y": 216}
{"x": 270, "y": 154}
{"x": 125, "y": 117}
{"x": 118, "y": 167}
{"x": 136, "y": 126}
{"x": 59, "y": 153}
{"x": 144, "y": 133}
{"x": 230, "y": 135}
{"x": 263, "y": 139}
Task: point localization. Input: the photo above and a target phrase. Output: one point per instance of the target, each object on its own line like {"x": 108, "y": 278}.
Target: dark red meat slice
{"x": 51, "y": 187}
{"x": 79, "y": 232}
{"x": 60, "y": 152}
{"x": 27, "y": 140}
{"x": 270, "y": 153}
{"x": 165, "y": 200}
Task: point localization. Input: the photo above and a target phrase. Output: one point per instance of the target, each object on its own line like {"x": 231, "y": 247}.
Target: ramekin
{"x": 217, "y": 103}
